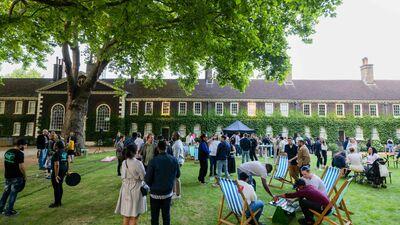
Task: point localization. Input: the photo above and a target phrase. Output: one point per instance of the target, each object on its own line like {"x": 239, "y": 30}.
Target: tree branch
{"x": 75, "y": 61}
{"x": 60, "y": 3}
{"x": 13, "y": 4}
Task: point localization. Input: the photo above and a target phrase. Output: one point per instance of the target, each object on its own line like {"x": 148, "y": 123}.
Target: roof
{"x": 22, "y": 87}
{"x": 238, "y": 126}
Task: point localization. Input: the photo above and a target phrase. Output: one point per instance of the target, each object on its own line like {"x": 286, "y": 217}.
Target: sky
{"x": 362, "y": 28}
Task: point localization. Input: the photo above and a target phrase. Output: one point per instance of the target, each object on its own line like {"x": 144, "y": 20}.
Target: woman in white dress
{"x": 131, "y": 202}
{"x": 354, "y": 159}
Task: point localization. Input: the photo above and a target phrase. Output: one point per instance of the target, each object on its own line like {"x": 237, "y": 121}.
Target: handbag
{"x": 144, "y": 189}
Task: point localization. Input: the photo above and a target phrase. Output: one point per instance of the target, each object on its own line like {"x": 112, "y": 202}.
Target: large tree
{"x": 147, "y": 37}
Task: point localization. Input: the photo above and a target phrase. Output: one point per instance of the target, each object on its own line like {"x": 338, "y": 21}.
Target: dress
{"x": 131, "y": 202}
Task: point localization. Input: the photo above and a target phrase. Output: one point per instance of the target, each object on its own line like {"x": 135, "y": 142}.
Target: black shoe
{"x": 54, "y": 205}
{"x": 11, "y": 213}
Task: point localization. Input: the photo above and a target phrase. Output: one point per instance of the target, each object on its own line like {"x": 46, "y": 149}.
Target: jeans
{"x": 254, "y": 206}
{"x": 42, "y": 158}
{"x": 238, "y": 150}
{"x": 305, "y": 205}
{"x": 245, "y": 156}
{"x": 160, "y": 204}
{"x": 58, "y": 189}
{"x": 213, "y": 165}
{"x": 324, "y": 157}
{"x": 11, "y": 189}
{"x": 203, "y": 170}
{"x": 221, "y": 164}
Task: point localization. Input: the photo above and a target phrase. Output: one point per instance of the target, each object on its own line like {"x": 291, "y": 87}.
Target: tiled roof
{"x": 26, "y": 87}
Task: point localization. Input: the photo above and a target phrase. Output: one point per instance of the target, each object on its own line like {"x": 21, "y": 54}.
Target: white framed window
{"x": 31, "y": 107}
{"x": 322, "y": 132}
{"x": 219, "y": 108}
{"x": 234, "y": 108}
{"x": 29, "y": 129}
{"x": 307, "y": 132}
{"x": 373, "y": 110}
{"x": 359, "y": 133}
{"x": 17, "y": 129}
{"x": 134, "y": 128}
{"x": 165, "y": 108}
{"x": 374, "y": 134}
{"x": 219, "y": 129}
{"x": 103, "y": 113}
{"x": 148, "y": 129}
{"x": 182, "y": 130}
{"x": 134, "y": 108}
{"x": 57, "y": 117}
{"x": 396, "y": 110}
{"x": 182, "y": 108}
{"x": 339, "y": 110}
{"x": 2, "y": 107}
{"x": 284, "y": 108}
{"x": 197, "y": 108}
{"x": 18, "y": 107}
{"x": 269, "y": 109}
{"x": 307, "y": 109}
{"x": 148, "y": 108}
{"x": 251, "y": 108}
{"x": 268, "y": 130}
{"x": 197, "y": 130}
{"x": 285, "y": 132}
{"x": 321, "y": 109}
{"x": 357, "y": 108}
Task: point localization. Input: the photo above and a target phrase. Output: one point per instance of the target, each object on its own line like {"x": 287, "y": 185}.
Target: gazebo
{"x": 237, "y": 126}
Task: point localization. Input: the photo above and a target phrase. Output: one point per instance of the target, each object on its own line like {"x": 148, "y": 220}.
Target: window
{"x": 182, "y": 130}
{"x": 268, "y": 130}
{"x": 31, "y": 107}
{"x": 148, "y": 129}
{"x": 285, "y": 132}
{"x": 148, "y": 108}
{"x": 284, "y": 108}
{"x": 251, "y": 109}
{"x": 2, "y": 107}
{"x": 219, "y": 129}
{"x": 17, "y": 129}
{"x": 18, "y": 107}
{"x": 103, "y": 113}
{"x": 373, "y": 110}
{"x": 357, "y": 110}
{"x": 398, "y": 133}
{"x": 339, "y": 109}
{"x": 134, "y": 108}
{"x": 269, "y": 109}
{"x": 134, "y": 128}
{"x": 359, "y": 133}
{"x": 307, "y": 109}
{"x": 322, "y": 132}
{"x": 307, "y": 132}
{"x": 197, "y": 108}
{"x": 57, "y": 117}
{"x": 321, "y": 109}
{"x": 182, "y": 110}
{"x": 374, "y": 134}
{"x": 165, "y": 108}
{"x": 29, "y": 129}
{"x": 219, "y": 108}
{"x": 234, "y": 108}
{"x": 197, "y": 130}
{"x": 396, "y": 110}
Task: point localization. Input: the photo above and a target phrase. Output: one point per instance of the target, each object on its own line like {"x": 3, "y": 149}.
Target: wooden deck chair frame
{"x": 334, "y": 183}
{"x": 241, "y": 219}
{"x": 338, "y": 207}
{"x": 283, "y": 180}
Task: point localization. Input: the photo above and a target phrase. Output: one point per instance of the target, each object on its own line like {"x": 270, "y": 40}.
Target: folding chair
{"x": 280, "y": 171}
{"x": 236, "y": 201}
{"x": 336, "y": 205}
{"x": 330, "y": 178}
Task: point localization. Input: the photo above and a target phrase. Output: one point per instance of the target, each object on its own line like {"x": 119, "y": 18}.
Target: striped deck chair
{"x": 337, "y": 204}
{"x": 280, "y": 171}
{"x": 236, "y": 202}
{"x": 330, "y": 178}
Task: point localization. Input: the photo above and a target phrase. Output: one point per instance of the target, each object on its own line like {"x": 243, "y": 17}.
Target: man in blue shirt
{"x": 203, "y": 158}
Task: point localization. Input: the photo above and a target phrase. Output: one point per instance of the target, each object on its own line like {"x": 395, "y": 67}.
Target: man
{"x": 310, "y": 198}
{"x": 148, "y": 150}
{"x": 60, "y": 164}
{"x": 177, "y": 149}
{"x": 119, "y": 152}
{"x": 160, "y": 177}
{"x": 42, "y": 141}
{"x": 312, "y": 179}
{"x": 237, "y": 143}
{"x": 254, "y": 144}
{"x": 303, "y": 155}
{"x": 15, "y": 177}
{"x": 291, "y": 152}
{"x": 258, "y": 169}
{"x": 203, "y": 158}
{"x": 213, "y": 146}
{"x": 245, "y": 145}
{"x": 139, "y": 141}
{"x": 251, "y": 197}
{"x": 317, "y": 151}
{"x": 131, "y": 141}
{"x": 223, "y": 151}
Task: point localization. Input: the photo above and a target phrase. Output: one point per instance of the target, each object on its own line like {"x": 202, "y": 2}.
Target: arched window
{"x": 57, "y": 117}
{"x": 374, "y": 134}
{"x": 219, "y": 129}
{"x": 197, "y": 130}
{"x": 182, "y": 130}
{"x": 307, "y": 132}
{"x": 322, "y": 133}
{"x": 268, "y": 130}
{"x": 359, "y": 134}
{"x": 285, "y": 132}
{"x": 103, "y": 113}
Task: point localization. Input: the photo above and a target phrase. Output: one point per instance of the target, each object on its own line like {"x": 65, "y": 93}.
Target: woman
{"x": 231, "y": 158}
{"x": 131, "y": 202}
{"x": 60, "y": 165}
{"x": 352, "y": 143}
{"x": 119, "y": 152}
{"x": 372, "y": 155}
{"x": 354, "y": 159}
{"x": 324, "y": 153}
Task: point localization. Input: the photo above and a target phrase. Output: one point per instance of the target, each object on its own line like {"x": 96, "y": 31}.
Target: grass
{"x": 93, "y": 200}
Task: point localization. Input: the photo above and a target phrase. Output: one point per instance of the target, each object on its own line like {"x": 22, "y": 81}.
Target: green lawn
{"x": 93, "y": 201}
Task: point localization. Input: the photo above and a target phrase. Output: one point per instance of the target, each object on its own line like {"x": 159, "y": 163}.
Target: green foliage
{"x": 24, "y": 73}
{"x": 148, "y": 37}
{"x": 378, "y": 145}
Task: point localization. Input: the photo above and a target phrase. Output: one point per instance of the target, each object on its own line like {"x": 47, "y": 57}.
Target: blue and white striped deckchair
{"x": 280, "y": 171}
{"x": 330, "y": 177}
{"x": 336, "y": 205}
{"x": 236, "y": 202}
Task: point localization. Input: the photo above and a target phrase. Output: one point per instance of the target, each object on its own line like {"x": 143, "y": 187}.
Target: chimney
{"x": 288, "y": 78}
{"x": 57, "y": 69}
{"x": 367, "y": 72}
{"x": 209, "y": 76}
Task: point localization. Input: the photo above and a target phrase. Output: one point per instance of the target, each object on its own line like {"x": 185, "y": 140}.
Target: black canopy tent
{"x": 237, "y": 126}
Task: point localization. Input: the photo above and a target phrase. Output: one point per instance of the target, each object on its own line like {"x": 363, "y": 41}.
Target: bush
{"x": 378, "y": 145}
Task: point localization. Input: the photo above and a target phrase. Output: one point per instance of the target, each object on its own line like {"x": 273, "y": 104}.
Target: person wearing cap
{"x": 15, "y": 177}
{"x": 312, "y": 179}
{"x": 309, "y": 198}
{"x": 60, "y": 164}
{"x": 251, "y": 196}
{"x": 177, "y": 149}
{"x": 258, "y": 169}
{"x": 303, "y": 154}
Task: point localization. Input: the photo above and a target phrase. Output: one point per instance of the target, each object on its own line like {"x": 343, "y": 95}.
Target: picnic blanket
{"x": 109, "y": 159}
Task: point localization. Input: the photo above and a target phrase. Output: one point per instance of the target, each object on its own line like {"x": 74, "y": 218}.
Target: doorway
{"x": 165, "y": 132}
{"x": 341, "y": 136}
